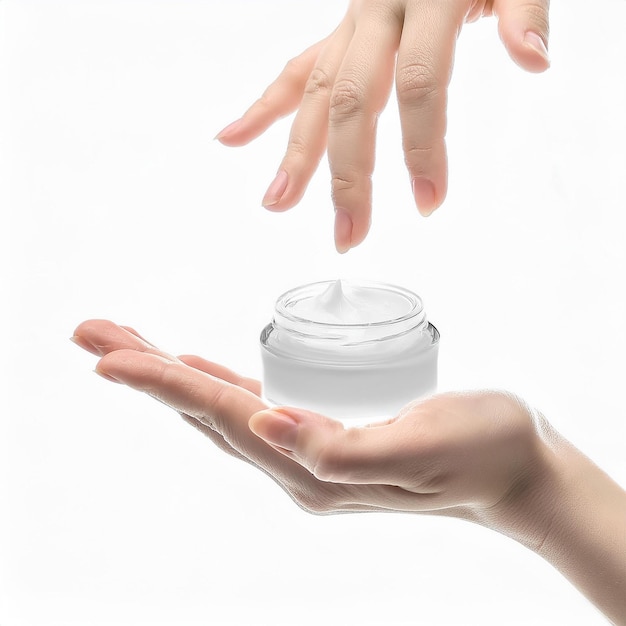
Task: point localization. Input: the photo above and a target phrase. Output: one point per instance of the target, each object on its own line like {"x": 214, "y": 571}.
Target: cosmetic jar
{"x": 352, "y": 350}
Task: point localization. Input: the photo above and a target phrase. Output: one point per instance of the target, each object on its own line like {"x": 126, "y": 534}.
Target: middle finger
{"x": 360, "y": 93}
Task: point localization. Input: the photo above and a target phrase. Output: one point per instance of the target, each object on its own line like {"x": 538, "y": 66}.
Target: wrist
{"x": 529, "y": 509}
{"x": 567, "y": 510}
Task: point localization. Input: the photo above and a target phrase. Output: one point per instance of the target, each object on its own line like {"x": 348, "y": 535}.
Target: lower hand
{"x": 483, "y": 456}
{"x": 457, "y": 454}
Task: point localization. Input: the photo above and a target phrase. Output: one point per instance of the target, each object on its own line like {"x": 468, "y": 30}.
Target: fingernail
{"x": 276, "y": 190}
{"x": 343, "y": 231}
{"x": 534, "y": 41}
{"x": 81, "y": 342}
{"x": 106, "y": 376}
{"x": 223, "y": 134}
{"x": 277, "y": 428}
{"x": 424, "y": 194}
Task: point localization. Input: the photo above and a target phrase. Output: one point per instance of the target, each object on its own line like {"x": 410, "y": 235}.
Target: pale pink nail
{"x": 276, "y": 190}
{"x": 223, "y": 134}
{"x": 534, "y": 41}
{"x": 343, "y": 231}
{"x": 86, "y": 345}
{"x": 424, "y": 194}
{"x": 107, "y": 376}
{"x": 277, "y": 428}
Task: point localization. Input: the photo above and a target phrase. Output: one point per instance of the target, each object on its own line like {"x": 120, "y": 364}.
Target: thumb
{"x": 523, "y": 26}
{"x": 326, "y": 448}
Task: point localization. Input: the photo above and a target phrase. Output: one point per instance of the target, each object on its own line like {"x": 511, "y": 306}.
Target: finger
{"x": 307, "y": 140}
{"x": 279, "y": 99}
{"x": 109, "y": 337}
{"x": 131, "y": 360}
{"x": 524, "y": 29}
{"x": 219, "y": 371}
{"x": 359, "y": 95}
{"x": 219, "y": 405}
{"x": 217, "y": 408}
{"x": 184, "y": 388}
{"x": 223, "y": 411}
{"x": 383, "y": 455}
{"x": 423, "y": 70}
{"x": 103, "y": 336}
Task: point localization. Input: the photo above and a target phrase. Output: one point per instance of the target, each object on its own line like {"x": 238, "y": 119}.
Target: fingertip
{"x": 88, "y": 325}
{"x": 106, "y": 376}
{"x": 258, "y": 422}
{"x": 93, "y": 335}
{"x": 524, "y": 27}
{"x": 343, "y": 231}
{"x": 239, "y": 133}
{"x": 528, "y": 49}
{"x": 277, "y": 428}
{"x": 424, "y": 195}
{"x": 276, "y": 191}
{"x": 228, "y": 131}
{"x": 83, "y": 343}
{"x": 110, "y": 361}
{"x": 106, "y": 367}
{"x": 350, "y": 229}
{"x": 540, "y": 59}
{"x": 233, "y": 142}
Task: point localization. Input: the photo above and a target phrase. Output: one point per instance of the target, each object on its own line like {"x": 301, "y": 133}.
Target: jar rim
{"x": 286, "y": 318}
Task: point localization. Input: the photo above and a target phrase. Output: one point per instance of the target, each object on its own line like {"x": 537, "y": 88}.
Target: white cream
{"x": 342, "y": 302}
{"x": 354, "y": 351}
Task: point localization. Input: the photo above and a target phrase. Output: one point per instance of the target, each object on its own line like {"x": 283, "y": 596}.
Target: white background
{"x": 116, "y": 202}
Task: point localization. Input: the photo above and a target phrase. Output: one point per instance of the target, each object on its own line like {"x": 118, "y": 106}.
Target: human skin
{"x": 485, "y": 457}
{"x": 340, "y": 85}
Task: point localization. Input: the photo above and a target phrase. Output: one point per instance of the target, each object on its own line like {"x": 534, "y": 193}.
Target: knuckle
{"x": 416, "y": 83}
{"x": 293, "y": 67}
{"x": 218, "y": 403}
{"x": 346, "y": 99}
{"x": 342, "y": 183}
{"x": 297, "y": 146}
{"x": 215, "y": 399}
{"x": 349, "y": 189}
{"x": 265, "y": 101}
{"x": 417, "y": 158}
{"x": 391, "y": 12}
{"x": 318, "y": 83}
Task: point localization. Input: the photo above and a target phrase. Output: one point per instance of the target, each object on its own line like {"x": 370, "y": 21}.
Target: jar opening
{"x": 346, "y": 310}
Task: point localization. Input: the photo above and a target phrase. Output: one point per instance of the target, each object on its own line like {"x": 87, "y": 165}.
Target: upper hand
{"x": 341, "y": 84}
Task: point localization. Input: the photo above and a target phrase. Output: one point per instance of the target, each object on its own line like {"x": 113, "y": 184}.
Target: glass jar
{"x": 351, "y": 350}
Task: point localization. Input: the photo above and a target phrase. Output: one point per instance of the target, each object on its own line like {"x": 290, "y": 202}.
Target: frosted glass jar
{"x": 351, "y": 350}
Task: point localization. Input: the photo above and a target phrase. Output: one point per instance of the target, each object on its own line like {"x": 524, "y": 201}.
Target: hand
{"x": 454, "y": 453}
{"x": 486, "y": 457}
{"x": 341, "y": 84}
